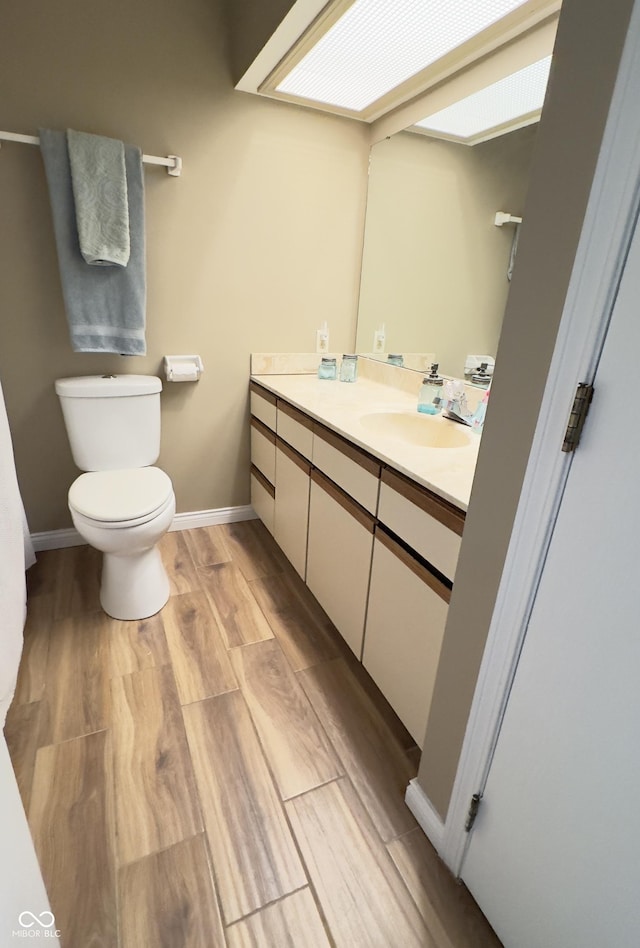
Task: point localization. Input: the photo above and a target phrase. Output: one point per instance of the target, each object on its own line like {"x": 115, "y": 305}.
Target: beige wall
{"x": 250, "y": 24}
{"x": 434, "y": 267}
{"x": 255, "y": 245}
{"x": 568, "y": 142}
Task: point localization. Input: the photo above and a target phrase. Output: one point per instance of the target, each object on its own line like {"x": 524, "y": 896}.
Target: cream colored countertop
{"x": 340, "y": 406}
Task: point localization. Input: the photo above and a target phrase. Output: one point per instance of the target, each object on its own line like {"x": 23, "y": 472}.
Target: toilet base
{"x": 134, "y": 586}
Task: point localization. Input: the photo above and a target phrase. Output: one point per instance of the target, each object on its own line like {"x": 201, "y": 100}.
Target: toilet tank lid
{"x": 107, "y": 386}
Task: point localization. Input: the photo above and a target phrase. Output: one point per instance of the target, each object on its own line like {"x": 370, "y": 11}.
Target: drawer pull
{"x": 357, "y": 512}
{"x": 262, "y": 480}
{"x": 438, "y": 508}
{"x": 423, "y": 570}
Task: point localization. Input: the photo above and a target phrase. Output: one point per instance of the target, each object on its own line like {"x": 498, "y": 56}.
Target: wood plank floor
{"x": 222, "y": 774}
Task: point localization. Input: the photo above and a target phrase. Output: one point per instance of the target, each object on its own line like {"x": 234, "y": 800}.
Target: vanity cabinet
{"x": 377, "y": 550}
{"x": 339, "y": 557}
{"x": 406, "y": 617}
{"x": 291, "y": 509}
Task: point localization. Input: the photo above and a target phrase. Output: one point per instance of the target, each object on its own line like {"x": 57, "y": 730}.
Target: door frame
{"x": 608, "y": 225}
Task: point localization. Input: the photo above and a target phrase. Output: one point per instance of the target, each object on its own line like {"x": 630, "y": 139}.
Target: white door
{"x": 554, "y": 858}
{"x": 24, "y": 908}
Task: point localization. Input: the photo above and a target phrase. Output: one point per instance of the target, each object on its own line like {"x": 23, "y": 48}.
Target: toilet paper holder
{"x": 183, "y": 368}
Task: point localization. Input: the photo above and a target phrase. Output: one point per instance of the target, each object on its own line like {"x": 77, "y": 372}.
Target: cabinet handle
{"x": 357, "y": 455}
{"x": 261, "y": 479}
{"x": 293, "y": 455}
{"x": 262, "y": 392}
{"x": 420, "y": 570}
{"x": 263, "y": 429}
{"x": 357, "y": 512}
{"x": 296, "y": 414}
{"x": 438, "y": 508}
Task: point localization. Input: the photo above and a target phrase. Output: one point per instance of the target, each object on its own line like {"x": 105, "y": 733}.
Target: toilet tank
{"x": 112, "y": 421}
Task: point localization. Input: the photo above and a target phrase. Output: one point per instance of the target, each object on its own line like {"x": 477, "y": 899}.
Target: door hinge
{"x": 578, "y": 416}
{"x": 472, "y": 812}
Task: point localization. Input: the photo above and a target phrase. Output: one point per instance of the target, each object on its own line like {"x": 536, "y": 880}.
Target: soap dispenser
{"x": 430, "y": 397}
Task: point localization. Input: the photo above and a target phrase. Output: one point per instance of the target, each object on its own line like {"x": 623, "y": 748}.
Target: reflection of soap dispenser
{"x": 481, "y": 377}
{"x": 478, "y": 418}
{"x": 430, "y": 397}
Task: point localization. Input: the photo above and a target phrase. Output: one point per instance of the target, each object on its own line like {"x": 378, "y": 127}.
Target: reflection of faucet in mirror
{"x": 455, "y": 402}
{"x": 434, "y": 263}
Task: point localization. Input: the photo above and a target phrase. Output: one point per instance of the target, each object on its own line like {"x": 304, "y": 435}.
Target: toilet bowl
{"x": 124, "y": 513}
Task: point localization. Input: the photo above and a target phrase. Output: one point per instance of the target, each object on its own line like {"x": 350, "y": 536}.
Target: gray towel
{"x": 105, "y": 305}
{"x": 99, "y": 184}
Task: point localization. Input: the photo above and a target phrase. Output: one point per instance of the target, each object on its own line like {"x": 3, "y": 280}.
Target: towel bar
{"x": 172, "y": 163}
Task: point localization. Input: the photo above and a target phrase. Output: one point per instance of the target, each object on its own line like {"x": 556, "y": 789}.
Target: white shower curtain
{"x": 16, "y": 553}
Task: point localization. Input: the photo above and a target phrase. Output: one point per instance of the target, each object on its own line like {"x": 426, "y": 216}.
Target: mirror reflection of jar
{"x": 395, "y": 359}
{"x": 349, "y": 368}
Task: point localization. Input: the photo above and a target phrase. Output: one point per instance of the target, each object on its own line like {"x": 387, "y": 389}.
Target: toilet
{"x": 122, "y": 505}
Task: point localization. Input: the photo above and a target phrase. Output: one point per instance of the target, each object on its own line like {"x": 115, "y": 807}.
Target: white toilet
{"x": 123, "y": 505}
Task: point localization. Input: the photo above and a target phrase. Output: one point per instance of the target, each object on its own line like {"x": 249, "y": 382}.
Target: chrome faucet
{"x": 455, "y": 402}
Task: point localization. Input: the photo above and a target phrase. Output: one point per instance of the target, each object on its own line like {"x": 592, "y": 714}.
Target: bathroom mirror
{"x": 434, "y": 266}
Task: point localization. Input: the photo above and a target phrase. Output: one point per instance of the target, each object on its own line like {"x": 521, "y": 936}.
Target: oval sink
{"x": 416, "y": 429}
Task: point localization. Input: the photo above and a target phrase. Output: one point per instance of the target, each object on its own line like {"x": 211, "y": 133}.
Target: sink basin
{"x": 420, "y": 430}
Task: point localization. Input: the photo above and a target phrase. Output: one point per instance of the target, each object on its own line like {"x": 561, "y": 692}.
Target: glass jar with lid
{"x": 327, "y": 368}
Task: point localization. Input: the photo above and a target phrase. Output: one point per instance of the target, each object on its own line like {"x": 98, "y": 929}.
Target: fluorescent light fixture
{"x": 495, "y": 106}
{"x": 378, "y": 44}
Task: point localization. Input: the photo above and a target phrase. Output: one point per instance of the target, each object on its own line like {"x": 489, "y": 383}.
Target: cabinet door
{"x": 339, "y": 558}
{"x": 405, "y": 627}
{"x": 263, "y": 449}
{"x": 291, "y": 515}
{"x": 262, "y": 497}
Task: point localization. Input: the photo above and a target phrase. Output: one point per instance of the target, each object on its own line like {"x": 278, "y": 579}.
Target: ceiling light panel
{"x": 505, "y": 101}
{"x": 378, "y": 44}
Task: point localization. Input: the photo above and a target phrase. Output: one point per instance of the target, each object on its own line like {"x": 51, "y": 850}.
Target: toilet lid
{"x": 112, "y": 496}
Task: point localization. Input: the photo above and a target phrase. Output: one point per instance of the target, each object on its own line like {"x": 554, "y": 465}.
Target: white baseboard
{"x": 207, "y": 518}
{"x": 428, "y": 818}
{"x": 57, "y": 539}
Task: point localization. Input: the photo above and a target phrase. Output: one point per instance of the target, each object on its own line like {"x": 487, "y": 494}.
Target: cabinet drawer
{"x": 339, "y": 558}
{"x": 349, "y": 467}
{"x": 262, "y": 498}
{"x": 295, "y": 428}
{"x": 291, "y": 516}
{"x": 263, "y": 405}
{"x": 431, "y": 526}
{"x": 263, "y": 449}
{"x": 405, "y": 628}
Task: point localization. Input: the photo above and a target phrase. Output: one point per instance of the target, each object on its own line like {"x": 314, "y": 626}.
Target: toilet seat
{"x": 121, "y": 498}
